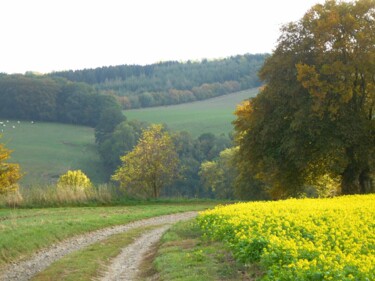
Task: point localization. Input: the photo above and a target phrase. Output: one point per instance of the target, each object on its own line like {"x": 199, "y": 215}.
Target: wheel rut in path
{"x": 25, "y": 270}
{"x": 125, "y": 266}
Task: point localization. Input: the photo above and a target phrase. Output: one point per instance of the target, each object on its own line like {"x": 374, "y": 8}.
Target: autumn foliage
{"x": 151, "y": 165}
{"x": 75, "y": 180}
{"x": 9, "y": 173}
{"x": 315, "y": 118}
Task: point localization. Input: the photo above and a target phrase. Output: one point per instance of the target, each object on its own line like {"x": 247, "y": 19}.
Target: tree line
{"x": 42, "y": 98}
{"x": 117, "y": 137}
{"x": 172, "y": 82}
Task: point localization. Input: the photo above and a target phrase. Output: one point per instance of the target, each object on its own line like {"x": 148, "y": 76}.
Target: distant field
{"x": 47, "y": 150}
{"x": 213, "y": 115}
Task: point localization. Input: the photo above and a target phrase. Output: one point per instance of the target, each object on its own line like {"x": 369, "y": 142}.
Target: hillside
{"x": 172, "y": 82}
{"x": 213, "y": 115}
{"x": 47, "y": 150}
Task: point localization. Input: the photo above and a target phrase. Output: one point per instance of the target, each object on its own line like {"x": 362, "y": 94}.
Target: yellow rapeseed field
{"x": 300, "y": 239}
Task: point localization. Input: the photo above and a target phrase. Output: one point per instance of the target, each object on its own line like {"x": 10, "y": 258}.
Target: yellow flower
{"x": 311, "y": 235}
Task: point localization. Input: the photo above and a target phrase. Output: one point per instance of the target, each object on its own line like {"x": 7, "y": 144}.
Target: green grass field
{"x": 213, "y": 115}
{"x": 47, "y": 150}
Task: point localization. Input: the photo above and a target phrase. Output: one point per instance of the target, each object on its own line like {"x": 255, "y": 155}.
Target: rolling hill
{"x": 47, "y": 150}
{"x": 213, "y": 115}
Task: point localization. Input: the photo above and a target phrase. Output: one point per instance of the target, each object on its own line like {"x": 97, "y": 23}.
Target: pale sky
{"x": 54, "y": 35}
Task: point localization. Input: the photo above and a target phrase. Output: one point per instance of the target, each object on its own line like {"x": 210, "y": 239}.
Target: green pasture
{"x": 213, "y": 115}
{"x": 47, "y": 150}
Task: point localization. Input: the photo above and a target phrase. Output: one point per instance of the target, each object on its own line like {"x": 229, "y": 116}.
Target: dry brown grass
{"x": 51, "y": 195}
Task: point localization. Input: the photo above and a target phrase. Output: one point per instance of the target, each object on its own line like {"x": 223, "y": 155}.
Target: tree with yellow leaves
{"x": 75, "y": 180}
{"x": 151, "y": 165}
{"x": 9, "y": 173}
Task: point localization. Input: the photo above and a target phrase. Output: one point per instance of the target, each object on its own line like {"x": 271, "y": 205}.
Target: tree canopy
{"x": 151, "y": 165}
{"x": 74, "y": 180}
{"x": 218, "y": 175}
{"x": 42, "y": 98}
{"x": 171, "y": 82}
{"x": 315, "y": 116}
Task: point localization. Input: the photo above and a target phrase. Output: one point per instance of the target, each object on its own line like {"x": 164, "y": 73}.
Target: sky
{"x": 55, "y": 35}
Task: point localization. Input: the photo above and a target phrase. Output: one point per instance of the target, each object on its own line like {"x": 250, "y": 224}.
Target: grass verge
{"x": 89, "y": 263}
{"x": 183, "y": 255}
{"x": 24, "y": 231}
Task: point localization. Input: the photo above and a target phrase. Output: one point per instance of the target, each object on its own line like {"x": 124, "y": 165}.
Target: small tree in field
{"x": 9, "y": 173}
{"x": 151, "y": 165}
{"x": 76, "y": 180}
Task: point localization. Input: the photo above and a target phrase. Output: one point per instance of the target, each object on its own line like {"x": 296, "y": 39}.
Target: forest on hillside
{"x": 171, "y": 82}
{"x": 42, "y": 98}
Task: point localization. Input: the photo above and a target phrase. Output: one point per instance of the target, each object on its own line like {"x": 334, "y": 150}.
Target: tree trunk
{"x": 365, "y": 182}
{"x": 356, "y": 178}
{"x": 155, "y": 190}
{"x": 349, "y": 181}
{"x": 350, "y": 176}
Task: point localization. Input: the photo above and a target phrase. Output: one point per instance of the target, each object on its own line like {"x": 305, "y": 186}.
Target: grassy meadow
{"x": 209, "y": 116}
{"x": 47, "y": 150}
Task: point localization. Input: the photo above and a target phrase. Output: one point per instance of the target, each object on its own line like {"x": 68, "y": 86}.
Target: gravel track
{"x": 125, "y": 265}
{"x": 25, "y": 270}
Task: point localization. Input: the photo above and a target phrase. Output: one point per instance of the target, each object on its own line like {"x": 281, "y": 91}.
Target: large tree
{"x": 151, "y": 165}
{"x": 315, "y": 117}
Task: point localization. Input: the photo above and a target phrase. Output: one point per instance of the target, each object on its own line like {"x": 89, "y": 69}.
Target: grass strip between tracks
{"x": 90, "y": 262}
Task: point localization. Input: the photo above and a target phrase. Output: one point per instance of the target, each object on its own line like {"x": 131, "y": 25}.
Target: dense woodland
{"x": 171, "y": 82}
{"x": 40, "y": 98}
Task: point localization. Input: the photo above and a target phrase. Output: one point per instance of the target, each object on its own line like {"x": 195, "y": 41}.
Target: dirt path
{"x": 125, "y": 266}
{"x": 25, "y": 270}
